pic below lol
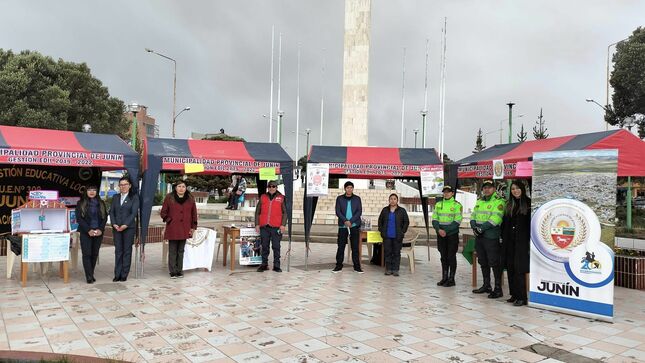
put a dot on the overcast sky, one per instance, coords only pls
(538, 54)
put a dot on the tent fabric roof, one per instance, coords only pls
(234, 156)
(630, 150)
(24, 145)
(379, 162)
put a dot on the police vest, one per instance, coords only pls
(271, 210)
(491, 210)
(447, 211)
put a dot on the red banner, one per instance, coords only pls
(377, 171)
(60, 158)
(485, 170)
(218, 166)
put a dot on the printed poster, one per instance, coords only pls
(250, 247)
(498, 169)
(432, 180)
(572, 229)
(317, 179)
(46, 247)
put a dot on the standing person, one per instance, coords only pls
(123, 214)
(446, 219)
(238, 187)
(270, 222)
(91, 214)
(179, 212)
(516, 235)
(348, 210)
(485, 221)
(393, 223)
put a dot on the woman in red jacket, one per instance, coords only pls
(179, 212)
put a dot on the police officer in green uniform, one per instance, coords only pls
(485, 221)
(446, 219)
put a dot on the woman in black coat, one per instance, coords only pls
(516, 235)
(91, 215)
(393, 222)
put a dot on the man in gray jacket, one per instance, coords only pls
(348, 210)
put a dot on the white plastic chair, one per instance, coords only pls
(409, 252)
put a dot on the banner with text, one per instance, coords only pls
(16, 181)
(218, 166)
(574, 207)
(432, 180)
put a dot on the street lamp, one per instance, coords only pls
(280, 115)
(174, 119)
(416, 131)
(174, 86)
(134, 108)
(86, 128)
(424, 113)
(308, 131)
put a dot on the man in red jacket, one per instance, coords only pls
(270, 221)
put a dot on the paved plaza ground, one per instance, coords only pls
(301, 316)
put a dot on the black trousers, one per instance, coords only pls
(90, 249)
(488, 256)
(516, 283)
(342, 241)
(448, 247)
(123, 251)
(273, 236)
(232, 200)
(176, 256)
(392, 248)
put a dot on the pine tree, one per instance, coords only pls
(521, 137)
(539, 131)
(479, 144)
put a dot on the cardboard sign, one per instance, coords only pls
(267, 174)
(374, 237)
(190, 168)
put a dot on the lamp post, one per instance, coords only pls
(280, 115)
(424, 113)
(307, 131)
(86, 128)
(134, 108)
(510, 121)
(174, 86)
(416, 131)
(174, 119)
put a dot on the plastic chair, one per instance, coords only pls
(409, 252)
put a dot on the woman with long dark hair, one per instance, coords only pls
(393, 223)
(516, 234)
(91, 215)
(179, 212)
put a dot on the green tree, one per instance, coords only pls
(539, 130)
(37, 91)
(627, 81)
(479, 142)
(521, 136)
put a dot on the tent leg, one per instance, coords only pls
(306, 256)
(289, 257)
(428, 243)
(629, 204)
(136, 261)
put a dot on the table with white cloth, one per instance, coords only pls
(200, 249)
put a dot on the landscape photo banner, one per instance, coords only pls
(572, 230)
(16, 181)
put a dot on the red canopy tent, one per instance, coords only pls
(631, 151)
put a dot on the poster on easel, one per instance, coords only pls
(317, 179)
(432, 180)
(572, 229)
(45, 247)
(250, 247)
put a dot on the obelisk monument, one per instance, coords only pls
(356, 58)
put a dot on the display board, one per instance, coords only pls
(317, 179)
(200, 249)
(432, 180)
(574, 203)
(46, 247)
(250, 247)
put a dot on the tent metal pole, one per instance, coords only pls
(629, 203)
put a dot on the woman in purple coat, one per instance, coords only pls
(179, 212)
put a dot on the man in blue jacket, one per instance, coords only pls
(348, 210)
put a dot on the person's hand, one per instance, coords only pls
(124, 227)
(442, 233)
(190, 233)
(282, 228)
(116, 226)
(257, 229)
(97, 232)
(348, 224)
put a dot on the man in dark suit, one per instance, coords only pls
(123, 213)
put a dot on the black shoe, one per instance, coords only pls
(483, 289)
(93, 279)
(388, 272)
(395, 273)
(89, 281)
(337, 269)
(442, 281)
(511, 300)
(449, 283)
(495, 294)
(115, 279)
(277, 269)
(229, 207)
(173, 276)
(179, 275)
(519, 303)
(360, 271)
(262, 268)
(123, 279)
